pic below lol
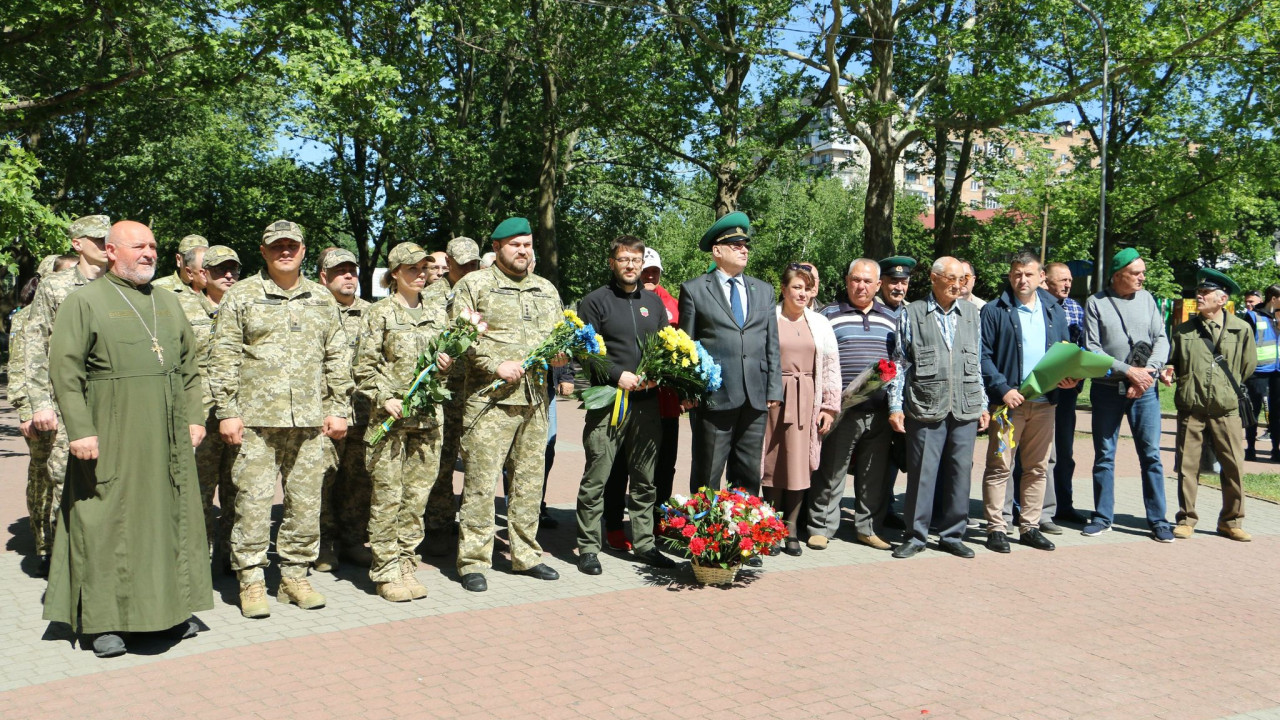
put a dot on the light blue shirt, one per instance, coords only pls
(1034, 337)
(723, 278)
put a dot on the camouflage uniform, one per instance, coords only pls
(441, 510)
(174, 282)
(39, 483)
(404, 463)
(279, 363)
(170, 282)
(50, 294)
(344, 504)
(214, 457)
(508, 422)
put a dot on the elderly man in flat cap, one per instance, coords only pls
(1123, 321)
(190, 261)
(732, 315)
(88, 239)
(1212, 356)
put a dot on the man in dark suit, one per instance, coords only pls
(733, 316)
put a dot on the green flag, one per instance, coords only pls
(1063, 360)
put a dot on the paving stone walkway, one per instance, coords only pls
(1111, 627)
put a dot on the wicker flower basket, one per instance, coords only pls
(714, 574)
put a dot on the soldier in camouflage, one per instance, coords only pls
(189, 275)
(281, 381)
(344, 498)
(220, 269)
(463, 258)
(397, 331)
(510, 422)
(88, 239)
(39, 444)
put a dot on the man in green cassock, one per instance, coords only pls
(130, 553)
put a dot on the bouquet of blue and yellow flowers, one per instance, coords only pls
(427, 389)
(670, 359)
(570, 337)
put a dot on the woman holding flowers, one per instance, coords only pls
(397, 330)
(811, 400)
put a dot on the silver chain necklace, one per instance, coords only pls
(155, 342)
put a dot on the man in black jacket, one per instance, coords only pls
(1017, 329)
(625, 315)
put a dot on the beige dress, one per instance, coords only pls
(787, 436)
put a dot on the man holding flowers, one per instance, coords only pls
(626, 316)
(509, 420)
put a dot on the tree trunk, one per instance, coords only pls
(949, 200)
(545, 231)
(877, 234)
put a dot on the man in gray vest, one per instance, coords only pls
(941, 406)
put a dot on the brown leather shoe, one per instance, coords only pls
(1235, 533)
(1182, 532)
(873, 541)
(817, 542)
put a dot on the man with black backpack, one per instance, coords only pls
(1212, 355)
(1124, 322)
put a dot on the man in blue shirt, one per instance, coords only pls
(1265, 382)
(1017, 329)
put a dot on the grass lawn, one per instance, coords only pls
(1260, 485)
(1166, 398)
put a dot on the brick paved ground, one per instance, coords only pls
(1112, 627)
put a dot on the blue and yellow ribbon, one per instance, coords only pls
(621, 407)
(1004, 429)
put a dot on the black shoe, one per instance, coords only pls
(542, 572)
(908, 549)
(1071, 517)
(773, 551)
(474, 582)
(956, 547)
(893, 521)
(183, 630)
(1251, 455)
(1048, 527)
(548, 522)
(1034, 538)
(108, 645)
(998, 542)
(755, 561)
(42, 567)
(793, 548)
(653, 557)
(589, 564)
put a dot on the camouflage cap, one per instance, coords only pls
(463, 250)
(282, 230)
(404, 254)
(90, 226)
(192, 241)
(218, 254)
(47, 265)
(336, 257)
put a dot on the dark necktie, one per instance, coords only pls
(735, 303)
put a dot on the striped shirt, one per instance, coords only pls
(863, 338)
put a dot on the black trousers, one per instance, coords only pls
(939, 460)
(727, 443)
(1259, 386)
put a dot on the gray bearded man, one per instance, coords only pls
(130, 553)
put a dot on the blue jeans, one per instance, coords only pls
(1109, 406)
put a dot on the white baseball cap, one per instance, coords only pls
(651, 259)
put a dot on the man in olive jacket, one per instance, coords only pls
(1208, 401)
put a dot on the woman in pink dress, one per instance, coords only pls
(811, 400)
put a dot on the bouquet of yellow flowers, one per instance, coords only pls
(570, 337)
(671, 359)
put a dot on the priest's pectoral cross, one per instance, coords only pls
(155, 348)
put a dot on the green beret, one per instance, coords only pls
(1122, 259)
(511, 227)
(218, 254)
(1210, 278)
(734, 227)
(192, 241)
(897, 266)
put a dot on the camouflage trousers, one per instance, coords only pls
(440, 507)
(298, 456)
(402, 466)
(40, 491)
(344, 498)
(492, 434)
(214, 460)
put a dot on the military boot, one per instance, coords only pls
(326, 560)
(408, 568)
(253, 600)
(394, 591)
(299, 592)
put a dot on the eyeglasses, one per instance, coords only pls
(800, 266)
(628, 261)
(953, 279)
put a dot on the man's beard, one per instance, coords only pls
(138, 274)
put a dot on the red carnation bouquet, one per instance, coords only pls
(720, 528)
(867, 382)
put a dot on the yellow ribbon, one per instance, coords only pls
(621, 407)
(1004, 429)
